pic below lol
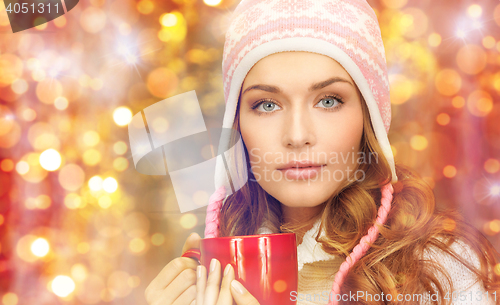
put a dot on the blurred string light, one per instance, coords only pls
(62, 285)
(50, 159)
(122, 116)
(40, 247)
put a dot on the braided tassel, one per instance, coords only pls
(213, 210)
(365, 242)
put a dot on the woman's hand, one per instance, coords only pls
(176, 282)
(207, 290)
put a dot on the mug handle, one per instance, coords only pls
(194, 254)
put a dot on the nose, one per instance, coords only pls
(298, 129)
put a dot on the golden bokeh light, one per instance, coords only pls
(443, 119)
(50, 159)
(93, 19)
(29, 115)
(83, 247)
(118, 283)
(168, 20)
(120, 164)
(11, 67)
(91, 157)
(448, 82)
(480, 103)
(23, 248)
(7, 165)
(495, 226)
(6, 120)
(110, 185)
(497, 269)
(62, 285)
(33, 172)
(489, 42)
(120, 148)
(61, 103)
(157, 239)
(212, 2)
(188, 221)
(279, 286)
(414, 22)
(492, 166)
(79, 272)
(10, 298)
(471, 59)
(43, 202)
(91, 138)
(105, 201)
(394, 4)
(145, 7)
(48, 90)
(475, 11)
(161, 82)
(40, 247)
(401, 89)
(95, 183)
(12, 137)
(71, 177)
(19, 86)
(419, 142)
(60, 21)
(449, 171)
(22, 167)
(458, 102)
(434, 39)
(122, 116)
(73, 201)
(137, 245)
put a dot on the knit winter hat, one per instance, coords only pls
(345, 30)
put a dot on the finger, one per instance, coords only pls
(201, 284)
(192, 242)
(187, 297)
(213, 283)
(167, 275)
(225, 296)
(185, 281)
(241, 295)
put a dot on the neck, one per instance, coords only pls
(300, 219)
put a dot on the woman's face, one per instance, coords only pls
(301, 106)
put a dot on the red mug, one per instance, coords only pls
(266, 264)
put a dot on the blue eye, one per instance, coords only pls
(329, 101)
(267, 107)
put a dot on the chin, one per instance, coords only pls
(300, 193)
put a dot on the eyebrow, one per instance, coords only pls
(313, 87)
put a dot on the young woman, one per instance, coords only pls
(306, 86)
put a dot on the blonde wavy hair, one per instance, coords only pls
(395, 262)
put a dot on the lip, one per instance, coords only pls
(298, 164)
(303, 169)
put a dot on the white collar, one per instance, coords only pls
(309, 251)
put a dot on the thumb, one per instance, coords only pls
(192, 242)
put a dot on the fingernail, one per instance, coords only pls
(212, 264)
(198, 271)
(226, 270)
(237, 286)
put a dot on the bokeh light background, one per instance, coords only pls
(79, 225)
